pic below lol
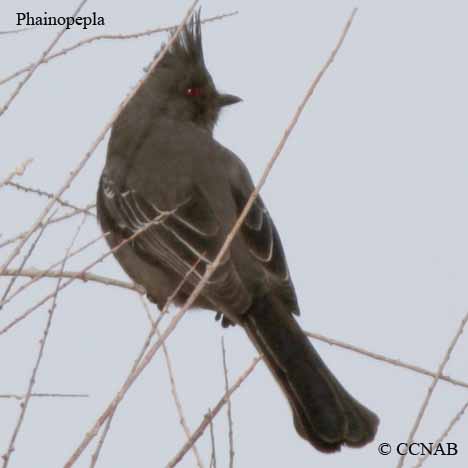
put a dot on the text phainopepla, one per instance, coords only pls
(166, 172)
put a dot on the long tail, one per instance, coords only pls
(324, 413)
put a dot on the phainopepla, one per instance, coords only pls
(166, 172)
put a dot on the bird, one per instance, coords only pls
(171, 188)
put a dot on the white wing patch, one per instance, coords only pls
(131, 216)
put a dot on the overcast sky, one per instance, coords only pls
(369, 196)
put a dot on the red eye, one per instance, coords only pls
(193, 92)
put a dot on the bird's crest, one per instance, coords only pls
(188, 45)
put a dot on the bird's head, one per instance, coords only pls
(181, 84)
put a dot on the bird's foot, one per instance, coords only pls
(225, 322)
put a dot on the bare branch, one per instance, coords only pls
(19, 171)
(17, 31)
(206, 420)
(175, 395)
(213, 442)
(15, 396)
(229, 410)
(89, 40)
(71, 280)
(451, 425)
(24, 405)
(58, 219)
(38, 274)
(34, 273)
(36, 65)
(381, 357)
(154, 329)
(48, 195)
(139, 365)
(97, 452)
(23, 263)
(431, 388)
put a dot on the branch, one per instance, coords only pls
(213, 442)
(71, 280)
(154, 329)
(48, 195)
(44, 395)
(207, 419)
(177, 401)
(24, 405)
(381, 357)
(36, 65)
(19, 171)
(34, 273)
(451, 425)
(58, 219)
(23, 263)
(42, 273)
(149, 32)
(143, 359)
(431, 388)
(17, 31)
(229, 410)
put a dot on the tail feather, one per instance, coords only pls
(324, 413)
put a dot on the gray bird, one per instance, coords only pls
(166, 175)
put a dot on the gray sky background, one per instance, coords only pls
(369, 197)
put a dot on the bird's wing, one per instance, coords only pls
(260, 234)
(179, 237)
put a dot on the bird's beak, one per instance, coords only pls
(228, 99)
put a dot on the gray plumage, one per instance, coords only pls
(165, 172)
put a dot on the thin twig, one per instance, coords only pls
(451, 425)
(114, 403)
(431, 388)
(58, 219)
(17, 31)
(36, 275)
(71, 280)
(97, 452)
(24, 405)
(139, 365)
(85, 277)
(43, 193)
(206, 420)
(23, 263)
(381, 357)
(15, 396)
(110, 411)
(112, 37)
(154, 328)
(36, 65)
(229, 410)
(213, 442)
(19, 171)
(175, 395)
